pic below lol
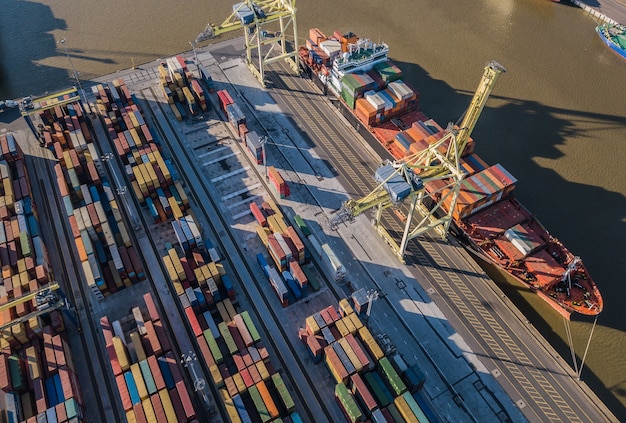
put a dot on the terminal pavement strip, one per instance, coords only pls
(546, 387)
(307, 395)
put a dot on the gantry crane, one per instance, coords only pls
(46, 298)
(440, 161)
(253, 17)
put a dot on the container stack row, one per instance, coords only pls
(278, 183)
(289, 279)
(233, 113)
(147, 373)
(153, 178)
(240, 367)
(38, 382)
(109, 260)
(368, 384)
(182, 90)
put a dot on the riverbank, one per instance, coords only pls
(612, 11)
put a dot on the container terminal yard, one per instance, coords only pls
(184, 213)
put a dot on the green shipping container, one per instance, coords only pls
(259, 404)
(215, 349)
(415, 408)
(17, 376)
(380, 391)
(349, 404)
(26, 252)
(228, 338)
(392, 376)
(147, 376)
(285, 396)
(254, 333)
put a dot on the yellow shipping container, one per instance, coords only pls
(350, 353)
(130, 416)
(133, 119)
(139, 382)
(136, 340)
(175, 111)
(32, 363)
(216, 376)
(134, 133)
(370, 343)
(312, 324)
(223, 313)
(181, 192)
(153, 176)
(263, 233)
(199, 276)
(354, 318)
(231, 410)
(120, 352)
(262, 368)
(344, 307)
(170, 414)
(239, 383)
(341, 327)
(137, 191)
(404, 409)
(176, 212)
(148, 410)
(229, 308)
(349, 325)
(169, 266)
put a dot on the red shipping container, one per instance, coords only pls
(159, 412)
(333, 313)
(140, 416)
(59, 354)
(193, 321)
(61, 412)
(254, 374)
(115, 364)
(205, 351)
(247, 359)
(123, 390)
(161, 334)
(258, 214)
(156, 372)
(40, 397)
(50, 365)
(64, 376)
(152, 310)
(173, 365)
(232, 328)
(185, 400)
(5, 380)
(150, 340)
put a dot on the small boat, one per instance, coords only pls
(614, 36)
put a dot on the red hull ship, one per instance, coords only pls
(486, 215)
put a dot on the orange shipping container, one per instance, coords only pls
(267, 399)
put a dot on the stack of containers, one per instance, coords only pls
(279, 185)
(97, 225)
(275, 280)
(187, 233)
(240, 367)
(388, 71)
(253, 142)
(353, 86)
(151, 176)
(37, 375)
(205, 76)
(395, 184)
(481, 190)
(147, 374)
(368, 383)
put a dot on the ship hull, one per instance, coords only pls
(601, 30)
(555, 291)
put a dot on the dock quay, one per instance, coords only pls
(203, 302)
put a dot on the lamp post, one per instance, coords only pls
(121, 191)
(62, 41)
(372, 295)
(263, 142)
(195, 56)
(187, 360)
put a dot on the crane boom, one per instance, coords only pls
(440, 161)
(252, 16)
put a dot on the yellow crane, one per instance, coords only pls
(47, 300)
(440, 161)
(259, 20)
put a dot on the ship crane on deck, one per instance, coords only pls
(254, 17)
(440, 161)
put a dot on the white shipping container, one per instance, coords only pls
(139, 320)
(215, 257)
(108, 235)
(84, 189)
(117, 260)
(102, 217)
(117, 330)
(211, 323)
(277, 282)
(283, 245)
(21, 223)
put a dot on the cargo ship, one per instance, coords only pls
(614, 36)
(487, 217)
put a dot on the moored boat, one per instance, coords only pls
(614, 36)
(486, 215)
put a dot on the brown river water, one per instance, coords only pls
(556, 119)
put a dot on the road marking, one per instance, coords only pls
(217, 150)
(241, 191)
(229, 174)
(221, 158)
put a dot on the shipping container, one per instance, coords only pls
(348, 405)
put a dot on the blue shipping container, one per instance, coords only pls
(293, 285)
(51, 392)
(167, 374)
(263, 263)
(132, 388)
